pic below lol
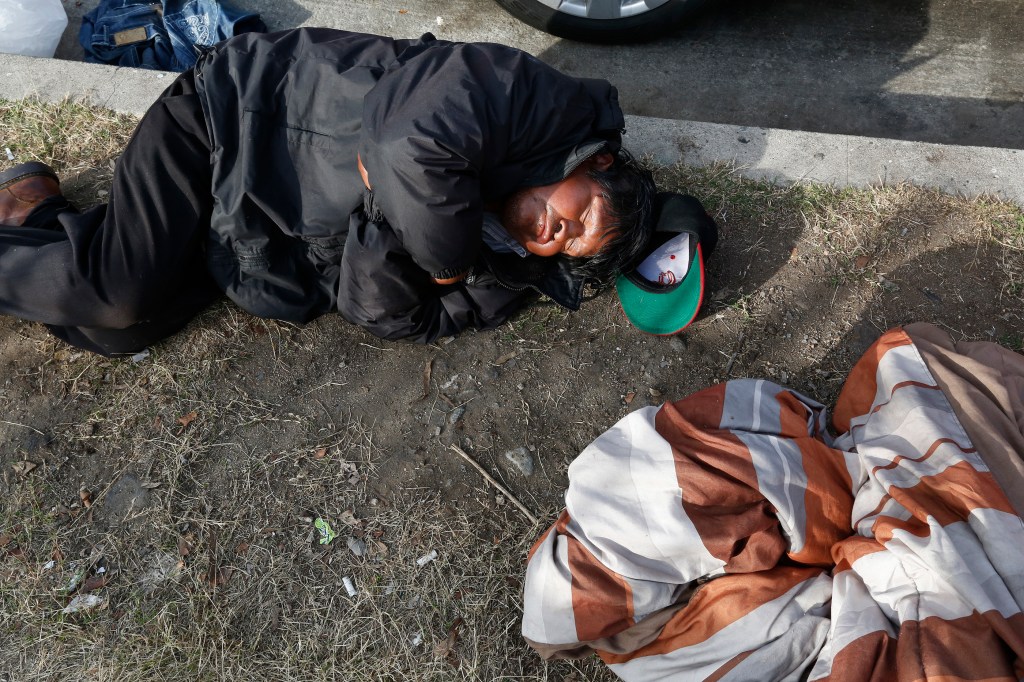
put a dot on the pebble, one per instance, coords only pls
(522, 459)
(456, 415)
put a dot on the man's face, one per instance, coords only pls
(568, 217)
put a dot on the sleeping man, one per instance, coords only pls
(418, 187)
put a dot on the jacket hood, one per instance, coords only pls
(606, 136)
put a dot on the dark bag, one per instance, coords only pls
(167, 34)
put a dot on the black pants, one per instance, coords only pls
(121, 276)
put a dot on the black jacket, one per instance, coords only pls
(441, 127)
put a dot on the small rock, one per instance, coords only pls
(456, 415)
(522, 459)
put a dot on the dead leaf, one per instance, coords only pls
(428, 369)
(242, 548)
(86, 497)
(95, 582)
(350, 472)
(157, 423)
(10, 548)
(629, 397)
(862, 262)
(506, 357)
(379, 548)
(187, 419)
(403, 11)
(320, 453)
(349, 518)
(221, 576)
(184, 547)
(22, 468)
(446, 648)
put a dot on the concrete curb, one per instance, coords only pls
(772, 154)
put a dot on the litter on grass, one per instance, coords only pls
(84, 602)
(327, 534)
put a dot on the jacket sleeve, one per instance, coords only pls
(385, 292)
(458, 122)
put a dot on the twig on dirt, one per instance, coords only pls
(24, 426)
(739, 345)
(428, 368)
(375, 347)
(490, 479)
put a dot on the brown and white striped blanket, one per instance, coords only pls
(730, 536)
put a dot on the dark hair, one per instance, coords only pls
(629, 189)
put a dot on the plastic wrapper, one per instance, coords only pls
(31, 27)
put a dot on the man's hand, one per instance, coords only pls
(362, 172)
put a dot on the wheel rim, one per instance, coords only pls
(603, 9)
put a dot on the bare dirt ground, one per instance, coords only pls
(181, 488)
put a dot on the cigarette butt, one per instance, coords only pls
(426, 558)
(349, 586)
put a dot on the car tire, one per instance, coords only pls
(639, 27)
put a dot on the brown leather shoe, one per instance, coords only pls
(24, 187)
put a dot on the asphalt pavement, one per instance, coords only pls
(851, 92)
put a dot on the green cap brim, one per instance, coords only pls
(664, 312)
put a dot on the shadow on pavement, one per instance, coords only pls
(858, 67)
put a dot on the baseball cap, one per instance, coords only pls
(663, 294)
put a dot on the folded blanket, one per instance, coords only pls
(729, 536)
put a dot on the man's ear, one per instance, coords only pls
(602, 161)
(552, 248)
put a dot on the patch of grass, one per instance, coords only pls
(726, 193)
(248, 429)
(1012, 341)
(71, 136)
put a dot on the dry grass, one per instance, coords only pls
(206, 462)
(218, 574)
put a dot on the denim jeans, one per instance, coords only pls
(160, 34)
